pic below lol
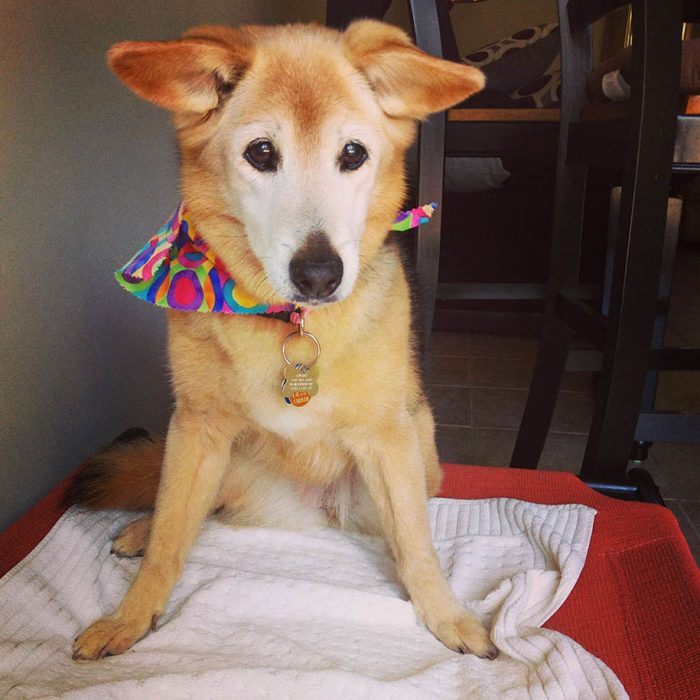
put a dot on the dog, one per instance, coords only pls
(292, 143)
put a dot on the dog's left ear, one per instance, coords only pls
(408, 82)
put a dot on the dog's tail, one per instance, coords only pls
(124, 474)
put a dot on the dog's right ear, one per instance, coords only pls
(192, 74)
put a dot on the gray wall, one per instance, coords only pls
(88, 172)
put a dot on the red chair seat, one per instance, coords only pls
(636, 605)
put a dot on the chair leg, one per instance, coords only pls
(619, 393)
(427, 19)
(544, 390)
(640, 448)
(431, 160)
(610, 248)
(564, 261)
(640, 241)
(625, 361)
(624, 382)
(668, 258)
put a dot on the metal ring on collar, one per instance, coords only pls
(305, 334)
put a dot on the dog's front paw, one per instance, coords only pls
(132, 540)
(109, 636)
(466, 635)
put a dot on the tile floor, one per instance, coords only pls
(478, 384)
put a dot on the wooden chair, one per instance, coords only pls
(644, 144)
(530, 134)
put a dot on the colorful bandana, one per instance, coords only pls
(413, 218)
(177, 270)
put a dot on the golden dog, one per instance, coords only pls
(292, 142)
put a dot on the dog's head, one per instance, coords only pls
(292, 142)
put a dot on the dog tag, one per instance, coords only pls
(300, 383)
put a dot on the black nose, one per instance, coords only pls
(316, 269)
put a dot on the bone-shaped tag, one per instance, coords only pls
(299, 384)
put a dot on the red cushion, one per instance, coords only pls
(26, 533)
(636, 605)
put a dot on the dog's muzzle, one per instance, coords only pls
(316, 270)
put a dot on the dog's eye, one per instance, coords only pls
(352, 156)
(261, 154)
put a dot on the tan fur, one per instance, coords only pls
(122, 475)
(361, 454)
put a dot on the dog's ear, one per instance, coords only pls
(407, 81)
(192, 74)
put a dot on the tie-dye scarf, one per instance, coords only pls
(177, 270)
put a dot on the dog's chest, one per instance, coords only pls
(255, 378)
(272, 413)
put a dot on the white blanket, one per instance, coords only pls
(273, 614)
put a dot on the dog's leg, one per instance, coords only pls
(389, 460)
(425, 431)
(132, 540)
(196, 454)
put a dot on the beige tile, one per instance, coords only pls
(454, 444)
(684, 312)
(692, 511)
(451, 404)
(563, 452)
(675, 468)
(503, 408)
(492, 447)
(578, 381)
(498, 408)
(572, 413)
(502, 346)
(455, 344)
(516, 373)
(673, 339)
(678, 392)
(481, 345)
(446, 369)
(500, 372)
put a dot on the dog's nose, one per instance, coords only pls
(316, 269)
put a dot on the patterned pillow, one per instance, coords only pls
(517, 59)
(544, 91)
